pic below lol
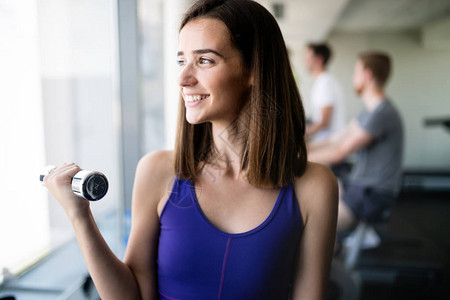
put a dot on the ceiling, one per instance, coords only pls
(314, 20)
(385, 15)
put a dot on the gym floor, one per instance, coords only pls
(413, 260)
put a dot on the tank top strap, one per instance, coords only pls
(181, 193)
(290, 202)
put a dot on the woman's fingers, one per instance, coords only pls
(59, 184)
(62, 175)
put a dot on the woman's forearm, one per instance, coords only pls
(112, 278)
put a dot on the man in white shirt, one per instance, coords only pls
(328, 113)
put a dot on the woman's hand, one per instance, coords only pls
(59, 183)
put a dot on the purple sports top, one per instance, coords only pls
(198, 261)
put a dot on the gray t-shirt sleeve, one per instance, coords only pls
(379, 165)
(374, 123)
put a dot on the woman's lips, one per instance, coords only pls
(194, 100)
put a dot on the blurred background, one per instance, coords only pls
(94, 82)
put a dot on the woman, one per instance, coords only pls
(235, 211)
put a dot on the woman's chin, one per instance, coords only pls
(194, 120)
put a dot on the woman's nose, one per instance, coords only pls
(186, 77)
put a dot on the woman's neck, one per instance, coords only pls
(228, 147)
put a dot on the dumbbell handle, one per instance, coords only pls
(90, 185)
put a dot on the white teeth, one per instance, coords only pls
(195, 98)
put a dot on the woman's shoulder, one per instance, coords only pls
(316, 189)
(315, 174)
(155, 171)
(159, 160)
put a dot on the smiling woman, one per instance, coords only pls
(255, 57)
(235, 211)
(215, 82)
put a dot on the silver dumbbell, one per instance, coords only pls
(90, 185)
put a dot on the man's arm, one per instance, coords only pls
(335, 137)
(327, 112)
(335, 150)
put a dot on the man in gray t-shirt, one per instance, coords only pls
(376, 136)
(379, 165)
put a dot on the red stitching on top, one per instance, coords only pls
(224, 266)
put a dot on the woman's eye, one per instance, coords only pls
(180, 62)
(205, 61)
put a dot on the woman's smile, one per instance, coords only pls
(194, 100)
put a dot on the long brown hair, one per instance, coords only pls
(273, 117)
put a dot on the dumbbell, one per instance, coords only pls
(90, 185)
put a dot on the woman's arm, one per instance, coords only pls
(153, 182)
(113, 278)
(317, 193)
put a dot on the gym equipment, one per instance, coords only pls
(90, 185)
(444, 121)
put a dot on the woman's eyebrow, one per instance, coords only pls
(202, 51)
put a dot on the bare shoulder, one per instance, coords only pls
(316, 190)
(160, 161)
(316, 176)
(154, 173)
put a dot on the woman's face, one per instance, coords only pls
(213, 80)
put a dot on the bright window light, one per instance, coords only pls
(24, 222)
